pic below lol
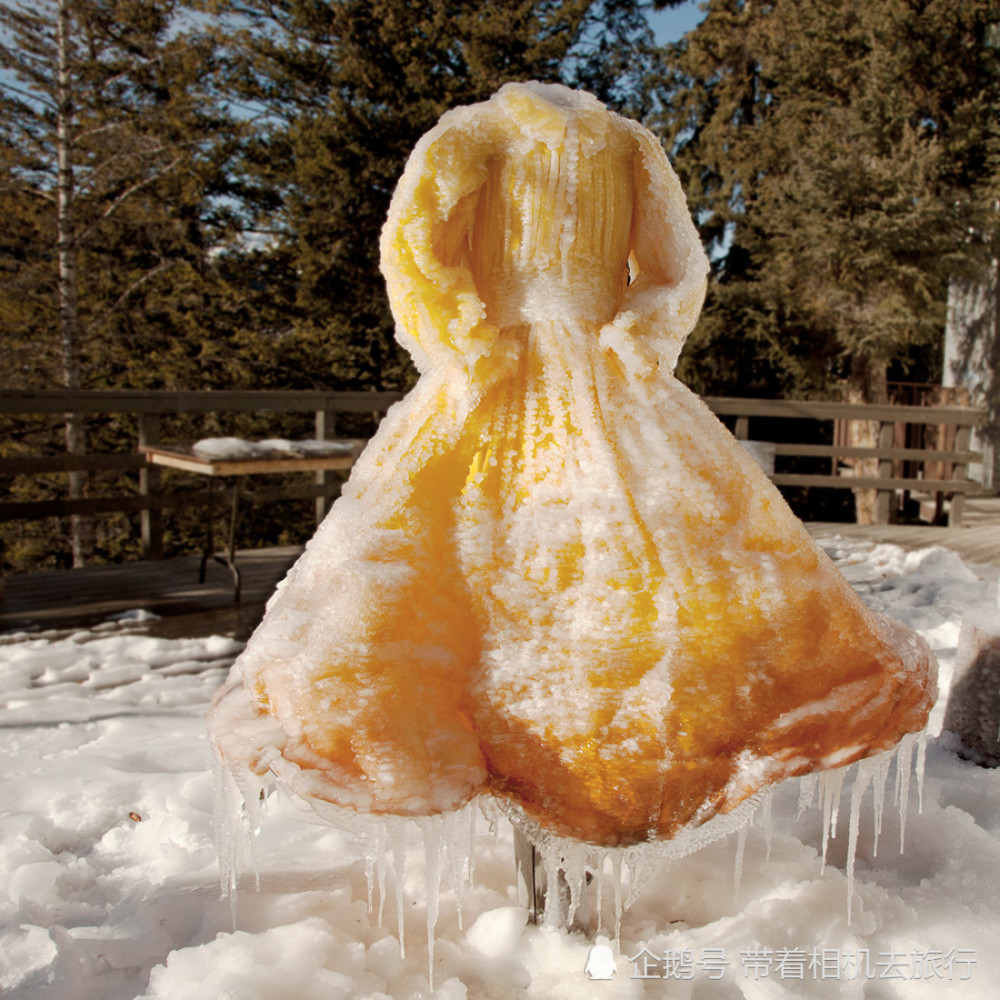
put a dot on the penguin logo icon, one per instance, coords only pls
(600, 962)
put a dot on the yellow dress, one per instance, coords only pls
(554, 577)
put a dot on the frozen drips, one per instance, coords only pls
(741, 846)
(586, 886)
(238, 807)
(872, 772)
(831, 784)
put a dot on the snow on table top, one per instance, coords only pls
(109, 878)
(232, 449)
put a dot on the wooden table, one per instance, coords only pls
(238, 470)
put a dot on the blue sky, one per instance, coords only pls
(670, 24)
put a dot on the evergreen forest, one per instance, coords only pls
(192, 190)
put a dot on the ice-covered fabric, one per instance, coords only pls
(554, 577)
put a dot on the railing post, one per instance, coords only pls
(325, 427)
(963, 442)
(151, 517)
(884, 498)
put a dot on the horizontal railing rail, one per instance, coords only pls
(939, 471)
(727, 406)
(209, 401)
(150, 406)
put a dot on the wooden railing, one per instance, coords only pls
(149, 408)
(940, 471)
(899, 468)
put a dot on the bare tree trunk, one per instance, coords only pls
(69, 315)
(869, 384)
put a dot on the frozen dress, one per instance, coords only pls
(554, 577)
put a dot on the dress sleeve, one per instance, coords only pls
(669, 268)
(440, 317)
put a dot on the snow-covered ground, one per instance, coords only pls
(109, 881)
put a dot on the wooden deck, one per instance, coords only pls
(169, 588)
(70, 599)
(977, 541)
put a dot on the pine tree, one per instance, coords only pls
(104, 168)
(342, 90)
(835, 151)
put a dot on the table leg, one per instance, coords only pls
(228, 556)
(231, 547)
(530, 876)
(209, 550)
(536, 896)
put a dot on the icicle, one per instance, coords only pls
(602, 859)
(227, 817)
(397, 834)
(830, 783)
(921, 766)
(253, 797)
(380, 841)
(432, 866)
(767, 824)
(616, 875)
(807, 791)
(836, 783)
(862, 779)
(237, 810)
(741, 843)
(471, 853)
(904, 757)
(459, 852)
(255, 809)
(223, 811)
(826, 825)
(574, 868)
(639, 862)
(373, 850)
(370, 879)
(551, 860)
(878, 797)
